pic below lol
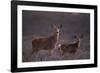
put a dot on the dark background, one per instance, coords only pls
(38, 24)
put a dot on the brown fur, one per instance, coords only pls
(71, 48)
(47, 43)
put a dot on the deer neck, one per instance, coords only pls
(78, 41)
(56, 36)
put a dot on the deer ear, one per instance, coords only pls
(81, 36)
(53, 25)
(60, 26)
(74, 36)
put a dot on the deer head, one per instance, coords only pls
(78, 38)
(56, 28)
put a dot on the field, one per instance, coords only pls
(38, 24)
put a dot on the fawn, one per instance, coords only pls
(71, 48)
(46, 43)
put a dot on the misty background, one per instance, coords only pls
(38, 24)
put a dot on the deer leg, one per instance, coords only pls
(73, 51)
(49, 53)
(34, 51)
(62, 53)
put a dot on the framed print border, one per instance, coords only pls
(14, 35)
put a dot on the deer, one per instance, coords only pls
(46, 43)
(72, 47)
